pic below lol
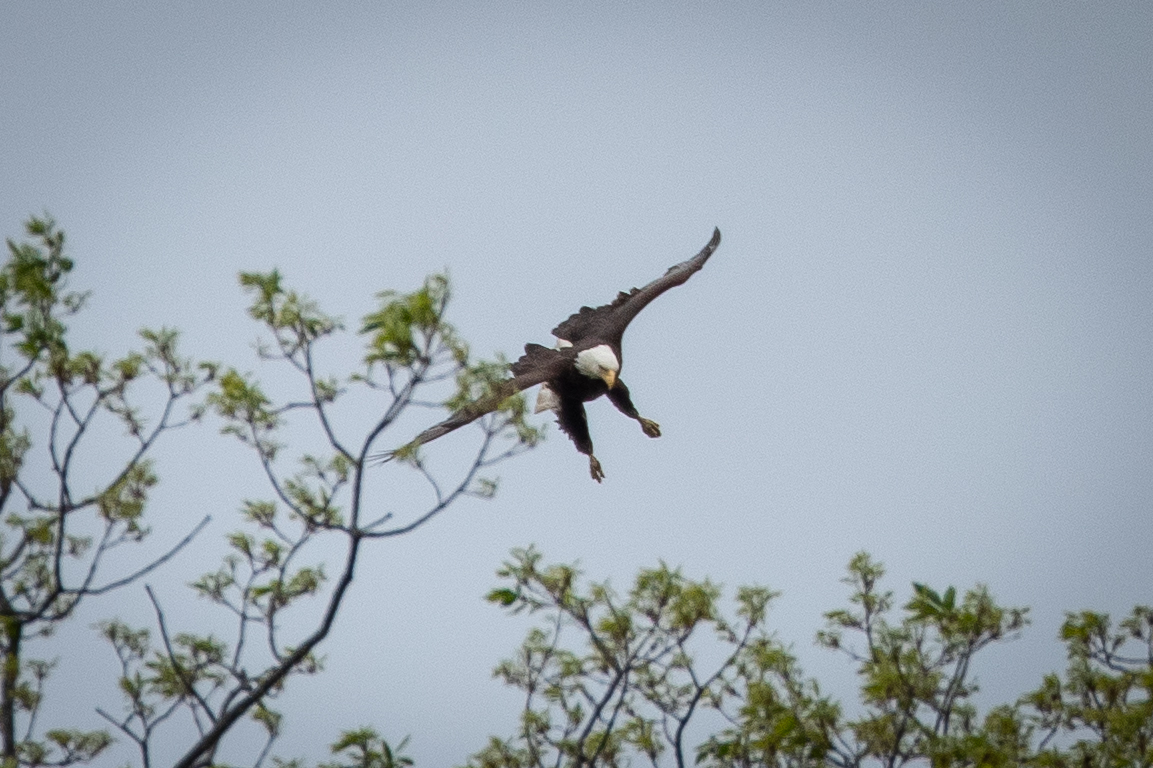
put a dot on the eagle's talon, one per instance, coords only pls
(651, 428)
(595, 469)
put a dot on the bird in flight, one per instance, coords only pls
(585, 364)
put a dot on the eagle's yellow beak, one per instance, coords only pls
(610, 378)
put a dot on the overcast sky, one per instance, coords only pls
(927, 333)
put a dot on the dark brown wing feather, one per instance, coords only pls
(608, 322)
(538, 364)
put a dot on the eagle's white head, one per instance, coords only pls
(599, 362)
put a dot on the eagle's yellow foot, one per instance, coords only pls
(651, 428)
(595, 469)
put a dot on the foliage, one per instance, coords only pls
(364, 748)
(267, 573)
(916, 680)
(613, 682)
(50, 561)
(59, 410)
(1106, 698)
(633, 686)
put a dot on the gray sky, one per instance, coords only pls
(927, 333)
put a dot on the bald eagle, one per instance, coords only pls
(585, 364)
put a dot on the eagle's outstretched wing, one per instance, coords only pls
(608, 322)
(538, 364)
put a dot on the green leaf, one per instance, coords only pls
(502, 596)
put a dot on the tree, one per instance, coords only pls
(917, 675)
(612, 681)
(1106, 698)
(633, 686)
(410, 347)
(46, 568)
(55, 536)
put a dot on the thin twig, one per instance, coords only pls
(154, 564)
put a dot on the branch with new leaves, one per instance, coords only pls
(60, 409)
(412, 354)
